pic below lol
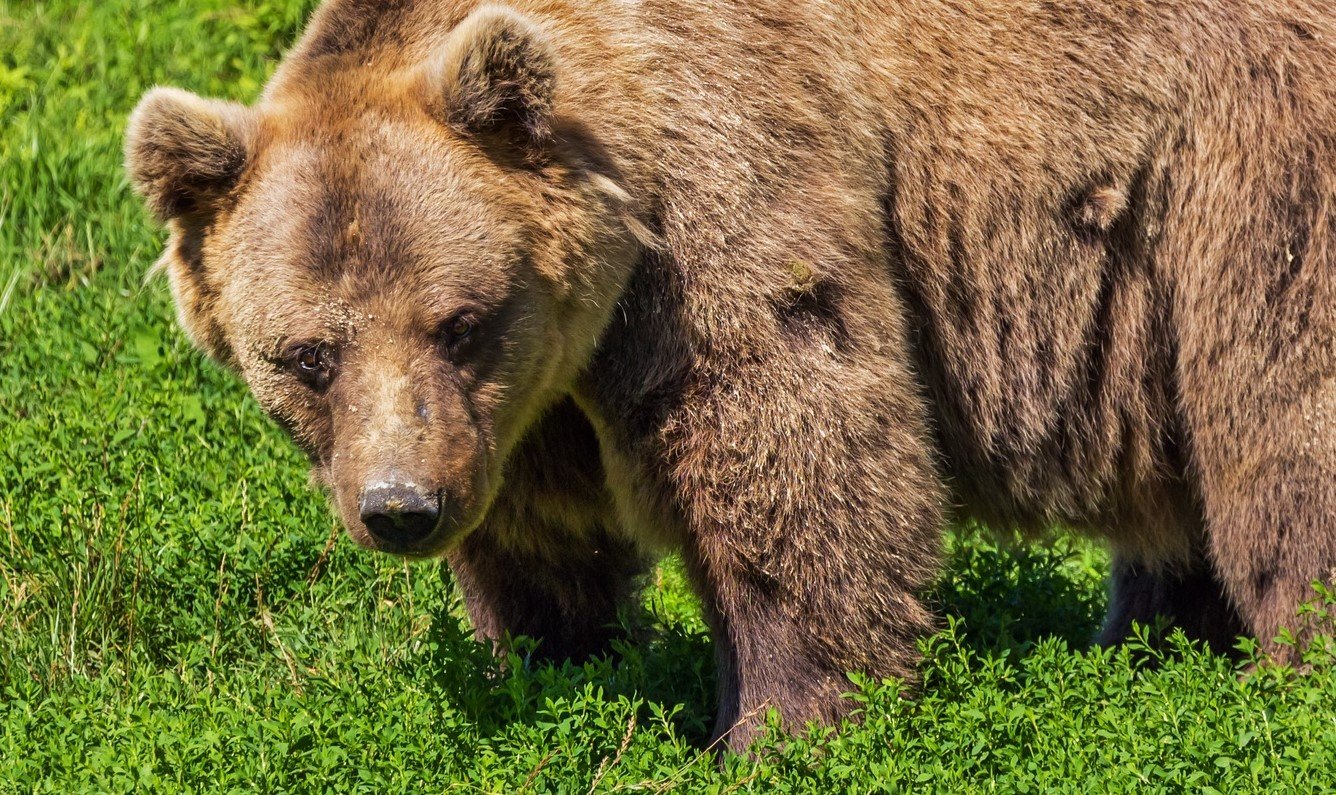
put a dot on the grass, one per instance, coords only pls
(178, 611)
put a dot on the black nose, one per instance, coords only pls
(399, 513)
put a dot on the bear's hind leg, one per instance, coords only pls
(1252, 244)
(1272, 535)
(1188, 596)
(1260, 431)
(1265, 459)
(1259, 400)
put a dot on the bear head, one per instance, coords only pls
(406, 261)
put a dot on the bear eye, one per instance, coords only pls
(313, 363)
(310, 359)
(457, 329)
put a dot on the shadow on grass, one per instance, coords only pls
(652, 661)
(1009, 597)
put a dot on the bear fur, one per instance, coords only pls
(787, 287)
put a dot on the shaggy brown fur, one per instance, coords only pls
(786, 287)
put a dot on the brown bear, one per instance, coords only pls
(550, 288)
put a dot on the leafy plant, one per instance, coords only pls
(179, 612)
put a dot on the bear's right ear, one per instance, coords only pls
(185, 153)
(495, 76)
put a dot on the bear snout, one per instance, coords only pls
(399, 513)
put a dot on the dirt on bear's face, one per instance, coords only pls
(402, 289)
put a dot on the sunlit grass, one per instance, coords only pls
(179, 612)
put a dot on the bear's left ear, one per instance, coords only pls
(496, 76)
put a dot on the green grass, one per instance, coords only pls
(179, 612)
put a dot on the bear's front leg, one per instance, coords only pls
(796, 472)
(544, 563)
(561, 589)
(810, 529)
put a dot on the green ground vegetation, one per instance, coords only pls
(179, 611)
